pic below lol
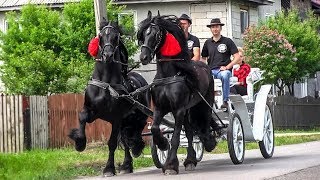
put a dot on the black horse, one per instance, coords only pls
(109, 81)
(181, 86)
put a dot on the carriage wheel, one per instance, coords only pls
(267, 144)
(198, 148)
(159, 157)
(235, 136)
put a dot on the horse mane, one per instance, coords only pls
(171, 24)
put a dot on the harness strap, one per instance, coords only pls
(168, 80)
(168, 60)
(112, 90)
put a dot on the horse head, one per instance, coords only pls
(150, 37)
(109, 40)
(161, 36)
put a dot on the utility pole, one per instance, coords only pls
(100, 11)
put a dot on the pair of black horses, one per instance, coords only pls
(181, 86)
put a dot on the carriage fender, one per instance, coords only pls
(259, 112)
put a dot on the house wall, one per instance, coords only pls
(269, 10)
(202, 15)
(236, 28)
(172, 8)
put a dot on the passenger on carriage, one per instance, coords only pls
(217, 51)
(241, 71)
(193, 41)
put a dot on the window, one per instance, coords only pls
(244, 20)
(6, 26)
(285, 4)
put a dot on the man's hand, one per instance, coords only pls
(223, 68)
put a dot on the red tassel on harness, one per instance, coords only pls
(171, 46)
(93, 46)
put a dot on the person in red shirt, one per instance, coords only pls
(241, 71)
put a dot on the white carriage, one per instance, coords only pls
(247, 119)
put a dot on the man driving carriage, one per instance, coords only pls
(217, 51)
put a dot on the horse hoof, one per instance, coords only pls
(170, 172)
(137, 149)
(125, 171)
(108, 174)
(190, 167)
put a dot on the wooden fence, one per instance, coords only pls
(291, 112)
(42, 122)
(11, 124)
(63, 116)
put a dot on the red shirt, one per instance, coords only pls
(242, 73)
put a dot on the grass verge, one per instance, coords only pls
(68, 163)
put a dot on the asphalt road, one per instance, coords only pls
(299, 161)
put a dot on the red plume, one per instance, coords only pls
(171, 46)
(93, 47)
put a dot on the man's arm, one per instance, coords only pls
(236, 59)
(196, 54)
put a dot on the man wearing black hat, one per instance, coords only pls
(193, 41)
(217, 52)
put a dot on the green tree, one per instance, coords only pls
(30, 51)
(303, 35)
(45, 51)
(270, 51)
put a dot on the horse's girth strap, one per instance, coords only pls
(168, 80)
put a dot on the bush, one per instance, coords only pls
(270, 51)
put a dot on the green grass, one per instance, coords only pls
(68, 163)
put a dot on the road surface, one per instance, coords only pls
(298, 161)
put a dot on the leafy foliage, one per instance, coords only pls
(304, 37)
(270, 51)
(45, 51)
(300, 41)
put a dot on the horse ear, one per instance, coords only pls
(149, 14)
(158, 13)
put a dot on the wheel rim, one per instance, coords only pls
(268, 131)
(162, 155)
(198, 147)
(237, 138)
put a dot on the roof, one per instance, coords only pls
(6, 5)
(260, 2)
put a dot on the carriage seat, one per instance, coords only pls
(254, 76)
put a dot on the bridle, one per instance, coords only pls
(115, 48)
(159, 37)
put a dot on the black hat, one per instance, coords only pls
(185, 17)
(215, 21)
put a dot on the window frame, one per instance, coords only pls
(244, 25)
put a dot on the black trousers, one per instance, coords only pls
(238, 89)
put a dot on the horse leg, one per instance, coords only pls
(79, 135)
(172, 165)
(126, 166)
(190, 162)
(109, 170)
(158, 138)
